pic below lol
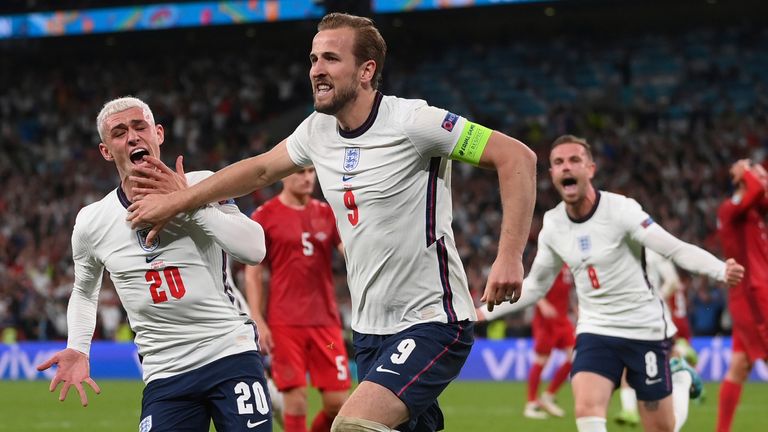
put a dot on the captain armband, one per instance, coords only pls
(472, 142)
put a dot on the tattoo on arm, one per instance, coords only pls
(651, 405)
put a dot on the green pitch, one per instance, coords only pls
(468, 406)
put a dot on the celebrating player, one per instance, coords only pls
(384, 166)
(199, 354)
(743, 235)
(302, 328)
(622, 321)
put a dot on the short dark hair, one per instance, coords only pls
(369, 45)
(572, 139)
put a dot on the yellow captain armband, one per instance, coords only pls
(472, 142)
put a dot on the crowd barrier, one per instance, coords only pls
(503, 360)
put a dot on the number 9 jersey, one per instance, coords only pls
(388, 183)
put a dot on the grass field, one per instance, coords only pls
(468, 406)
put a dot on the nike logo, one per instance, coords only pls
(346, 177)
(152, 257)
(253, 425)
(652, 382)
(382, 369)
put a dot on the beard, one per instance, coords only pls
(341, 97)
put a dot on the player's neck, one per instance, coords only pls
(292, 200)
(356, 112)
(581, 208)
(127, 187)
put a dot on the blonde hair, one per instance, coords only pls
(369, 44)
(118, 105)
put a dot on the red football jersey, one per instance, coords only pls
(300, 245)
(744, 236)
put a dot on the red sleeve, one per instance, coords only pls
(753, 196)
(336, 239)
(258, 215)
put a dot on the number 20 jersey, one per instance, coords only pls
(388, 183)
(173, 291)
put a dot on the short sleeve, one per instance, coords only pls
(258, 215)
(434, 132)
(336, 239)
(297, 144)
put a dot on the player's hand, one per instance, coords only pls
(73, 369)
(155, 210)
(738, 169)
(266, 343)
(154, 177)
(734, 272)
(480, 314)
(505, 282)
(546, 309)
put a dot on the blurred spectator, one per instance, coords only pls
(665, 117)
(707, 310)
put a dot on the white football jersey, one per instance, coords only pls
(173, 291)
(604, 253)
(388, 183)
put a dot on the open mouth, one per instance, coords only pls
(569, 184)
(138, 155)
(322, 88)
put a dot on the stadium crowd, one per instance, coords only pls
(666, 115)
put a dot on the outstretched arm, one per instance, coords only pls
(690, 257)
(233, 181)
(234, 232)
(73, 366)
(515, 164)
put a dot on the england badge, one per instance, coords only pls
(351, 158)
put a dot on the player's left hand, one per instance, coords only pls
(154, 210)
(505, 283)
(734, 272)
(155, 177)
(73, 369)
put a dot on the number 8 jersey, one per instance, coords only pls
(605, 253)
(174, 291)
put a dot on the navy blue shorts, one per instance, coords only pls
(231, 391)
(416, 364)
(647, 362)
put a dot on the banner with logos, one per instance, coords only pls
(503, 360)
(510, 360)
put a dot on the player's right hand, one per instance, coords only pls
(155, 177)
(505, 282)
(266, 343)
(73, 369)
(734, 272)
